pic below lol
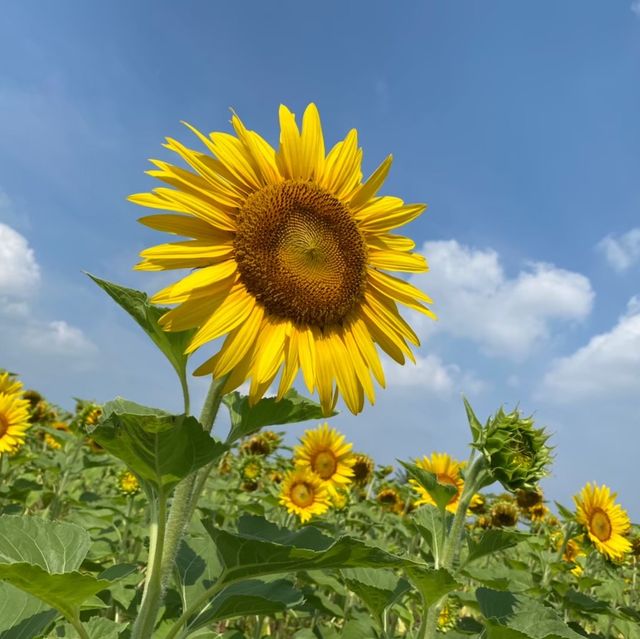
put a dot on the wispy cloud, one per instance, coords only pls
(506, 317)
(19, 271)
(622, 251)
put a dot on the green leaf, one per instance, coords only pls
(492, 541)
(262, 548)
(22, 616)
(440, 493)
(377, 588)
(97, 628)
(432, 584)
(136, 303)
(474, 422)
(64, 591)
(581, 602)
(55, 547)
(159, 447)
(432, 524)
(251, 597)
(522, 614)
(246, 419)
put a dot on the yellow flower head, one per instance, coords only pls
(504, 513)
(14, 421)
(251, 468)
(9, 385)
(290, 249)
(93, 416)
(304, 494)
(363, 467)
(537, 513)
(340, 499)
(478, 504)
(573, 550)
(128, 483)
(389, 498)
(324, 453)
(605, 521)
(52, 442)
(447, 471)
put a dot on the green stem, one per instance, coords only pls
(152, 596)
(79, 628)
(185, 393)
(53, 509)
(188, 490)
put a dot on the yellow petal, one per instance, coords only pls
(270, 350)
(312, 144)
(186, 251)
(288, 157)
(399, 290)
(262, 152)
(393, 261)
(235, 310)
(307, 356)
(372, 185)
(347, 381)
(342, 172)
(290, 362)
(387, 310)
(367, 349)
(390, 219)
(192, 285)
(187, 226)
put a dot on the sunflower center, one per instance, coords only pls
(302, 494)
(300, 253)
(4, 425)
(600, 525)
(325, 464)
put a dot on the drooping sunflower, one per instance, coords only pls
(304, 494)
(363, 467)
(324, 452)
(290, 249)
(447, 471)
(14, 421)
(605, 521)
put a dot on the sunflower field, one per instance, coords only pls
(125, 521)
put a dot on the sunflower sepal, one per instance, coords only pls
(475, 425)
(516, 453)
(440, 493)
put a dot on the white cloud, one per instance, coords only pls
(19, 271)
(506, 317)
(621, 252)
(58, 338)
(607, 367)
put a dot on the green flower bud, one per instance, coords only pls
(516, 453)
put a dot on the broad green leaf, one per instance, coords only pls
(492, 541)
(432, 524)
(251, 597)
(377, 588)
(55, 547)
(262, 548)
(474, 422)
(432, 584)
(522, 614)
(440, 493)
(161, 448)
(246, 419)
(359, 629)
(136, 303)
(580, 601)
(97, 628)
(22, 616)
(64, 591)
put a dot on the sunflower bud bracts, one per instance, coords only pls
(516, 452)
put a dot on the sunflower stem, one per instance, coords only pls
(189, 489)
(79, 628)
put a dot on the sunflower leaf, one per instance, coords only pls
(440, 493)
(432, 584)
(22, 615)
(492, 541)
(146, 314)
(159, 447)
(247, 419)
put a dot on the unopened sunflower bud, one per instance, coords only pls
(516, 453)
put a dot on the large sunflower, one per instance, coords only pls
(447, 471)
(289, 249)
(304, 494)
(14, 421)
(605, 521)
(9, 385)
(324, 452)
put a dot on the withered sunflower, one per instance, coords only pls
(289, 250)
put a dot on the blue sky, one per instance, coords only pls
(516, 122)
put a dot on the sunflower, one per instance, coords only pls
(363, 467)
(304, 494)
(14, 421)
(9, 385)
(324, 453)
(52, 442)
(605, 521)
(503, 514)
(289, 249)
(447, 471)
(389, 498)
(128, 483)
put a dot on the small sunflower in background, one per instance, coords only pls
(447, 471)
(538, 513)
(605, 522)
(251, 468)
(363, 467)
(128, 483)
(290, 249)
(389, 498)
(527, 499)
(93, 416)
(303, 493)
(340, 499)
(14, 422)
(478, 504)
(324, 452)
(504, 514)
